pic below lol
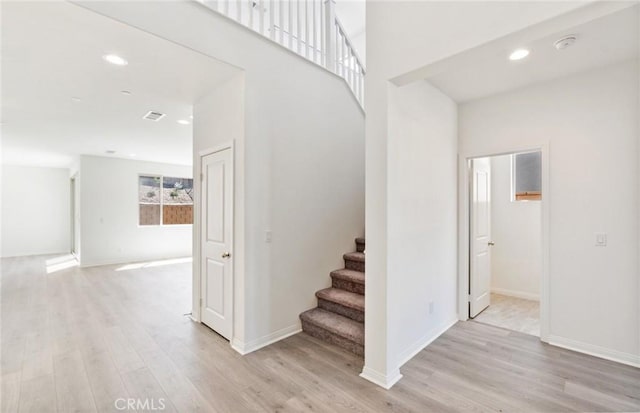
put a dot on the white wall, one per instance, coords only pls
(516, 229)
(35, 211)
(109, 214)
(404, 36)
(300, 162)
(590, 123)
(422, 224)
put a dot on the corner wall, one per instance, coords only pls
(590, 122)
(110, 233)
(35, 211)
(422, 217)
(396, 46)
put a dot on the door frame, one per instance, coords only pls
(464, 225)
(197, 235)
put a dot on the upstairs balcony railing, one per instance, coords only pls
(309, 28)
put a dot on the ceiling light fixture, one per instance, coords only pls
(518, 54)
(114, 59)
(76, 99)
(183, 122)
(110, 152)
(125, 92)
(133, 155)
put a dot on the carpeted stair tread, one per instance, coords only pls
(336, 324)
(342, 297)
(348, 275)
(354, 256)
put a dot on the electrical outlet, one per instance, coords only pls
(431, 307)
(601, 239)
(267, 237)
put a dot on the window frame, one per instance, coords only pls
(536, 196)
(161, 203)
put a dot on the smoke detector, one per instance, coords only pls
(154, 116)
(565, 42)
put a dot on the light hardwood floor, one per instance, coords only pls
(79, 339)
(512, 313)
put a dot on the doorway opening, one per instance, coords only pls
(505, 245)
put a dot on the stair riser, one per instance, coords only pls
(354, 265)
(322, 334)
(348, 286)
(342, 310)
(359, 247)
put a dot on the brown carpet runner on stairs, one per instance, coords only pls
(339, 317)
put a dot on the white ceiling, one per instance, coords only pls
(52, 52)
(604, 41)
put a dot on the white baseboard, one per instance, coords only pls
(517, 294)
(596, 351)
(424, 341)
(386, 381)
(253, 345)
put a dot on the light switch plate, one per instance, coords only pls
(601, 239)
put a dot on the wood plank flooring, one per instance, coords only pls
(77, 340)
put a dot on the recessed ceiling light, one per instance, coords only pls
(190, 116)
(110, 152)
(115, 59)
(133, 155)
(183, 122)
(125, 92)
(76, 99)
(519, 54)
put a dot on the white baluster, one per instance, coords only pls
(330, 35)
(261, 16)
(226, 7)
(290, 31)
(250, 4)
(306, 28)
(281, 21)
(298, 27)
(272, 29)
(315, 30)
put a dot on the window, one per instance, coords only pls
(526, 177)
(165, 200)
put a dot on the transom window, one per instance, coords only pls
(164, 200)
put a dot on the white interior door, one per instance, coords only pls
(216, 241)
(480, 236)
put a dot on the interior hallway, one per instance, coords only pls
(512, 313)
(82, 338)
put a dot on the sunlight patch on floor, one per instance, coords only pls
(158, 263)
(61, 263)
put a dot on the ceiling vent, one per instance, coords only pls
(154, 116)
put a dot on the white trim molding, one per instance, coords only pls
(596, 351)
(385, 381)
(424, 341)
(518, 294)
(253, 345)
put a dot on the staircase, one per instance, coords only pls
(339, 316)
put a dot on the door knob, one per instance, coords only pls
(226, 254)
(491, 243)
